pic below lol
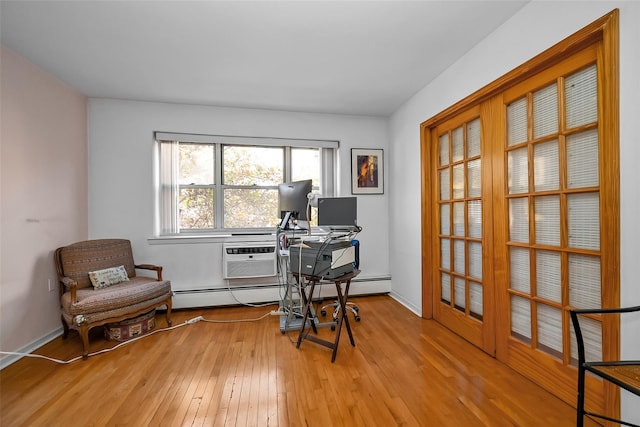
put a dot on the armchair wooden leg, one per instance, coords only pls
(84, 335)
(169, 303)
(65, 328)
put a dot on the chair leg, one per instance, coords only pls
(580, 403)
(84, 335)
(65, 328)
(169, 303)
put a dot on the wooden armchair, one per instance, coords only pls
(623, 373)
(86, 304)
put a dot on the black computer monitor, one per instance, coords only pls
(293, 201)
(337, 213)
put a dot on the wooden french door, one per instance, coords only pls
(461, 300)
(522, 212)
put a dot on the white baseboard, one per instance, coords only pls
(221, 297)
(417, 310)
(8, 359)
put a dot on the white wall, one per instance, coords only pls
(121, 194)
(44, 197)
(538, 26)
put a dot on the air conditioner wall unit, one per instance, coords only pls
(249, 259)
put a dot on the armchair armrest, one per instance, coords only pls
(71, 286)
(156, 268)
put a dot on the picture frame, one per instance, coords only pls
(367, 171)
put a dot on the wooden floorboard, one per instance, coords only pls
(404, 371)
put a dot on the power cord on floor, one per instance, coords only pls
(106, 350)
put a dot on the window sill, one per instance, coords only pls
(210, 238)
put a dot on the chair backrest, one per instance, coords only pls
(77, 260)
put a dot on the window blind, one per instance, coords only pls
(584, 220)
(547, 220)
(582, 159)
(545, 111)
(519, 269)
(517, 122)
(546, 168)
(548, 275)
(581, 91)
(519, 220)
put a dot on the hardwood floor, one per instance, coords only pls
(403, 371)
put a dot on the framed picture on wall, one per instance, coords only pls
(367, 171)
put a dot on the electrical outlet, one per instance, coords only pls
(51, 285)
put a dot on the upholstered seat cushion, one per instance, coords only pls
(136, 290)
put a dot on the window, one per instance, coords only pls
(214, 183)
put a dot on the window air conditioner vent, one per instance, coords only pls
(249, 259)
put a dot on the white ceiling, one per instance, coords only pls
(344, 57)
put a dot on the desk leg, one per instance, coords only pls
(342, 300)
(307, 301)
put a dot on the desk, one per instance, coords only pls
(308, 302)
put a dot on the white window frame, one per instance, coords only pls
(166, 176)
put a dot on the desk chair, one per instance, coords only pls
(352, 307)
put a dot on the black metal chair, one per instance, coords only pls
(624, 373)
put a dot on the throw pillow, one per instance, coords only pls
(107, 277)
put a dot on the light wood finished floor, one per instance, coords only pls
(403, 371)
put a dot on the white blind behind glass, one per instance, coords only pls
(473, 138)
(582, 159)
(545, 111)
(520, 316)
(584, 220)
(517, 122)
(519, 220)
(548, 275)
(547, 220)
(519, 269)
(581, 90)
(518, 173)
(584, 281)
(546, 169)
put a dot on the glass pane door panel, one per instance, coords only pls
(460, 299)
(445, 221)
(581, 90)
(546, 172)
(458, 181)
(520, 318)
(519, 220)
(458, 145)
(582, 159)
(547, 220)
(475, 260)
(474, 218)
(592, 336)
(443, 149)
(584, 281)
(584, 220)
(459, 257)
(517, 122)
(518, 164)
(475, 298)
(545, 111)
(549, 321)
(445, 186)
(519, 268)
(458, 218)
(445, 292)
(548, 275)
(473, 138)
(445, 254)
(474, 178)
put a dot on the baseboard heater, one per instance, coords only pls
(244, 260)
